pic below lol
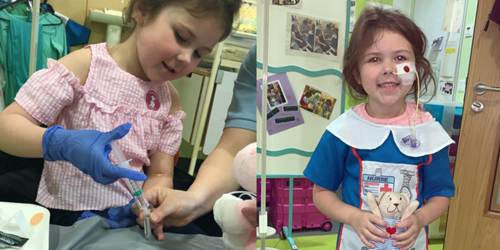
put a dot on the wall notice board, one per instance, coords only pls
(306, 46)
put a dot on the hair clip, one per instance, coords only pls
(411, 141)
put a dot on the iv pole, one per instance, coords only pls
(35, 12)
(263, 230)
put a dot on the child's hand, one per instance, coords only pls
(407, 239)
(88, 150)
(364, 225)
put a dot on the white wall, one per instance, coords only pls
(220, 104)
(306, 136)
(428, 15)
(403, 5)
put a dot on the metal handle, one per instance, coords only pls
(477, 107)
(480, 88)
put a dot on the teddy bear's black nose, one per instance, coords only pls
(396, 204)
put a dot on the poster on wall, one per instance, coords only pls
(453, 16)
(450, 57)
(282, 111)
(312, 37)
(445, 90)
(352, 19)
(361, 4)
(379, 4)
(290, 3)
(317, 102)
(247, 18)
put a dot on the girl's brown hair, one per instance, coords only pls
(224, 10)
(371, 22)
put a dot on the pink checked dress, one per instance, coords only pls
(109, 98)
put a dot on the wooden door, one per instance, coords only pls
(473, 222)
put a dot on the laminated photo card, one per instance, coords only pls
(312, 37)
(282, 111)
(317, 102)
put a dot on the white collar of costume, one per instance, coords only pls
(360, 133)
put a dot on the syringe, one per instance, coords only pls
(134, 188)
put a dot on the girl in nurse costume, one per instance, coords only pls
(386, 144)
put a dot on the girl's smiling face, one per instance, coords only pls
(386, 94)
(171, 45)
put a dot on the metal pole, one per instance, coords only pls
(35, 12)
(263, 133)
(206, 106)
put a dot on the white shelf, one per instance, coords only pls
(243, 34)
(108, 16)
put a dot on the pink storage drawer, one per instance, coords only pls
(268, 190)
(313, 218)
(282, 192)
(279, 217)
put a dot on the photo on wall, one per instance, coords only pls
(317, 102)
(287, 2)
(302, 33)
(352, 18)
(312, 37)
(282, 111)
(448, 88)
(326, 38)
(445, 90)
(275, 95)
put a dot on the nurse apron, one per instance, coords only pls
(396, 171)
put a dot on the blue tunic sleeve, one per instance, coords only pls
(326, 166)
(436, 178)
(243, 108)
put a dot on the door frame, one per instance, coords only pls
(471, 224)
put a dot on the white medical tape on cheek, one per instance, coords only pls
(406, 72)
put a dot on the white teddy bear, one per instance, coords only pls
(393, 207)
(237, 217)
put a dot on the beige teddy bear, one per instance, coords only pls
(393, 207)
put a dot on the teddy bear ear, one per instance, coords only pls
(380, 196)
(406, 198)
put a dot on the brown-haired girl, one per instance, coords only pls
(386, 144)
(123, 89)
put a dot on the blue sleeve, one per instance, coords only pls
(436, 178)
(326, 166)
(242, 112)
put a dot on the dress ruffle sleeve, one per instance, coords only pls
(48, 91)
(172, 133)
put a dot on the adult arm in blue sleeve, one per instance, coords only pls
(242, 112)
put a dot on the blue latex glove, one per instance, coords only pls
(89, 151)
(119, 217)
